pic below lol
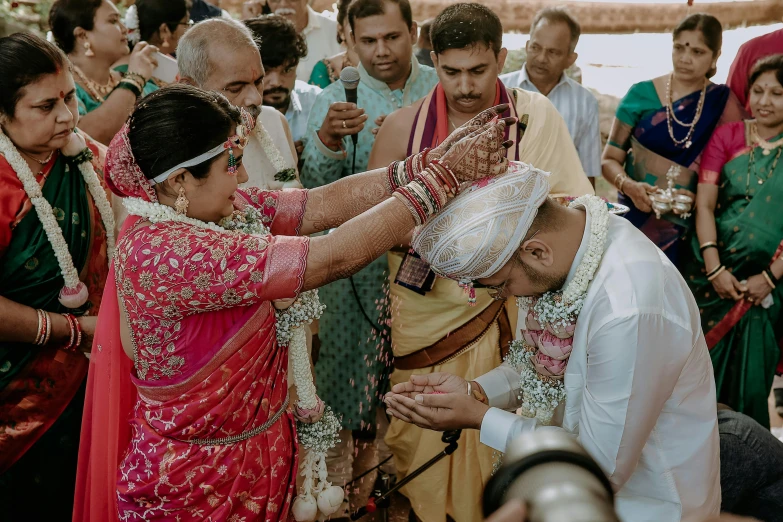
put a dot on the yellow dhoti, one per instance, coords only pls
(454, 486)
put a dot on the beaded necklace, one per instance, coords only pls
(752, 168)
(766, 146)
(671, 116)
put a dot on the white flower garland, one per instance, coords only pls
(132, 24)
(559, 308)
(46, 214)
(540, 395)
(283, 173)
(317, 493)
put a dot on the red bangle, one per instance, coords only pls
(71, 342)
(331, 145)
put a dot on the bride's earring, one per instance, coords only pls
(88, 50)
(165, 44)
(181, 205)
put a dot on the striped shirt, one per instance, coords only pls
(578, 107)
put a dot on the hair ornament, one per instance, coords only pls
(132, 23)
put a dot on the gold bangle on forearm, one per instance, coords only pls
(768, 279)
(715, 273)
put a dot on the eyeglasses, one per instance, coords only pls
(496, 292)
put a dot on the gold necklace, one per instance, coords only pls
(766, 146)
(41, 162)
(95, 89)
(671, 116)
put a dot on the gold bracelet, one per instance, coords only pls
(716, 274)
(769, 280)
(48, 329)
(708, 244)
(39, 333)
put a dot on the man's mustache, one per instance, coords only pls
(254, 110)
(470, 96)
(285, 11)
(276, 90)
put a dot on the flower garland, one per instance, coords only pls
(317, 493)
(318, 437)
(283, 173)
(541, 356)
(74, 294)
(132, 24)
(559, 308)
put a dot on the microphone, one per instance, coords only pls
(349, 76)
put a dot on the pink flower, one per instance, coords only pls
(561, 331)
(549, 367)
(531, 336)
(553, 346)
(531, 323)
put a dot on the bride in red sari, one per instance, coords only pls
(188, 313)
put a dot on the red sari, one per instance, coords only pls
(208, 374)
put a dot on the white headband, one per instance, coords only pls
(201, 158)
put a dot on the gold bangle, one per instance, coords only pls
(39, 333)
(708, 244)
(769, 280)
(716, 274)
(48, 329)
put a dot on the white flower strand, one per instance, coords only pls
(277, 160)
(249, 223)
(46, 214)
(559, 308)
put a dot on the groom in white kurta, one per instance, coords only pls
(640, 393)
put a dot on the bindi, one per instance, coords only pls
(62, 95)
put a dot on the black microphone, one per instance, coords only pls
(350, 78)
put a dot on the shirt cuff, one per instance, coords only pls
(337, 155)
(496, 427)
(497, 387)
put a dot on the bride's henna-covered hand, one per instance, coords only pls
(480, 154)
(466, 129)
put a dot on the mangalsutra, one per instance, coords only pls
(95, 89)
(671, 116)
(752, 169)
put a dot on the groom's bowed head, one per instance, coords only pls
(504, 234)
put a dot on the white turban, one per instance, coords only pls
(477, 232)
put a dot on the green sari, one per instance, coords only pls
(744, 340)
(41, 388)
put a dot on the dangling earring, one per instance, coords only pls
(181, 205)
(88, 52)
(165, 44)
(232, 162)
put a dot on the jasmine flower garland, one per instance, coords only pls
(283, 173)
(74, 293)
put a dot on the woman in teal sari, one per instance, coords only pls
(328, 70)
(55, 233)
(736, 276)
(663, 125)
(94, 38)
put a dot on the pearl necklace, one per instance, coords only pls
(766, 146)
(74, 294)
(671, 116)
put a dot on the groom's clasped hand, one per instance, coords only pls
(437, 401)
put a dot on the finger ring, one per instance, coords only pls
(344, 125)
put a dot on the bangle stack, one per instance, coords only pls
(429, 192)
(44, 328)
(400, 173)
(76, 333)
(83, 157)
(770, 277)
(131, 86)
(619, 181)
(707, 245)
(715, 272)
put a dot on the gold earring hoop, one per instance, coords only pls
(181, 205)
(88, 50)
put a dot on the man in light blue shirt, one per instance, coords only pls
(550, 51)
(354, 353)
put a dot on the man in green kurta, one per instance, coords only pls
(354, 356)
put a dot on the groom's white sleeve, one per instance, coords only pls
(633, 363)
(499, 427)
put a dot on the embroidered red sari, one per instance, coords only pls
(207, 371)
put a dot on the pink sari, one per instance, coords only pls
(209, 437)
